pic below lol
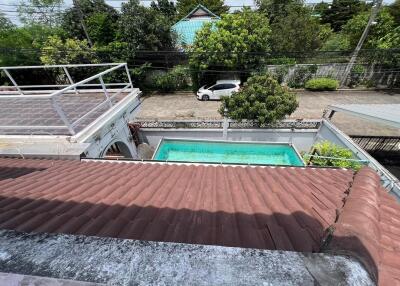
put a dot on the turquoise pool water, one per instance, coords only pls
(227, 152)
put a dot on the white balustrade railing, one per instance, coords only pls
(32, 92)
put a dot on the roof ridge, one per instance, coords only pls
(356, 230)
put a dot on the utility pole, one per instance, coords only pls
(375, 9)
(76, 4)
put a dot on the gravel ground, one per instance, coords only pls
(312, 104)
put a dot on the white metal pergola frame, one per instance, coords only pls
(72, 87)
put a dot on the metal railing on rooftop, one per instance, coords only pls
(30, 92)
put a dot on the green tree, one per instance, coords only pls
(165, 7)
(101, 20)
(42, 12)
(341, 11)
(394, 10)
(276, 9)
(184, 7)
(5, 23)
(19, 44)
(71, 51)
(102, 28)
(298, 31)
(144, 28)
(262, 99)
(320, 9)
(391, 40)
(337, 42)
(356, 25)
(234, 43)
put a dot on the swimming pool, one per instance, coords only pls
(257, 153)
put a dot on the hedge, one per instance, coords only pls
(322, 83)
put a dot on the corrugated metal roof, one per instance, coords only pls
(388, 114)
(285, 208)
(186, 29)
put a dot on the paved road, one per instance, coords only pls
(312, 104)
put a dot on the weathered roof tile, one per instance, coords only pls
(258, 207)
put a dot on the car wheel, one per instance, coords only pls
(205, 97)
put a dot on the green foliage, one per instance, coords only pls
(5, 23)
(321, 84)
(391, 40)
(114, 52)
(282, 61)
(144, 28)
(184, 7)
(97, 16)
(328, 149)
(262, 99)
(71, 51)
(40, 12)
(138, 76)
(337, 42)
(301, 75)
(176, 79)
(16, 39)
(232, 44)
(355, 27)
(341, 11)
(394, 10)
(165, 7)
(356, 76)
(280, 73)
(298, 32)
(278, 9)
(101, 27)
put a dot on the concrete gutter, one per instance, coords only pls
(133, 262)
(28, 280)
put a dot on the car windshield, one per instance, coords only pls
(208, 86)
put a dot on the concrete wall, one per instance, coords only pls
(118, 132)
(378, 75)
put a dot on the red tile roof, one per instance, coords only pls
(271, 208)
(369, 227)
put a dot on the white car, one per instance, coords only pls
(216, 91)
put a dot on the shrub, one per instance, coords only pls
(328, 149)
(262, 99)
(165, 83)
(176, 79)
(301, 75)
(281, 72)
(322, 83)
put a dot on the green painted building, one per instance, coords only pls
(187, 27)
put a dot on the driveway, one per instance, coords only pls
(311, 105)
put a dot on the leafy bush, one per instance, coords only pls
(301, 75)
(55, 51)
(262, 99)
(328, 149)
(176, 79)
(165, 83)
(281, 72)
(322, 83)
